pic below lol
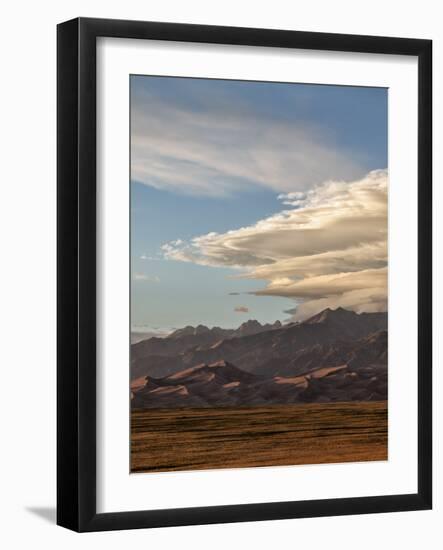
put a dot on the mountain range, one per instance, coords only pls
(336, 355)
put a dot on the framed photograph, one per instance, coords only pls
(244, 223)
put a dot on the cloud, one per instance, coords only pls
(148, 278)
(146, 257)
(328, 248)
(241, 309)
(360, 291)
(229, 148)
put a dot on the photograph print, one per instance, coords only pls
(259, 265)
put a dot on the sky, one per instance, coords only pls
(255, 200)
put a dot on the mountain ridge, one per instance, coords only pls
(259, 354)
(251, 351)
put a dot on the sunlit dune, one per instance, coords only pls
(168, 390)
(232, 384)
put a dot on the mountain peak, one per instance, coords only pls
(250, 323)
(328, 314)
(189, 330)
(200, 329)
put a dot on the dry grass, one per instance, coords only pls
(200, 439)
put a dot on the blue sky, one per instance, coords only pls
(214, 165)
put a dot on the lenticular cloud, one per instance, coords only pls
(326, 248)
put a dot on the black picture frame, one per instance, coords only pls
(76, 265)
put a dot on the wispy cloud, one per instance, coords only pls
(328, 248)
(226, 149)
(144, 277)
(241, 309)
(147, 257)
